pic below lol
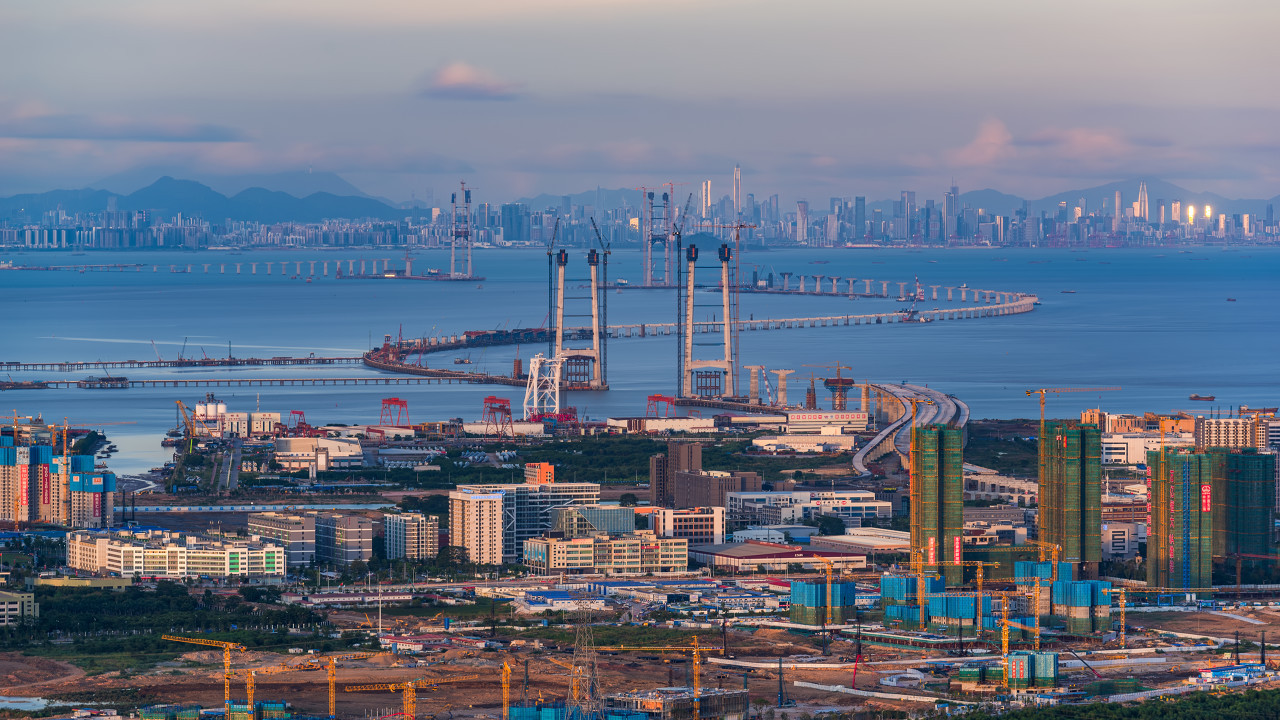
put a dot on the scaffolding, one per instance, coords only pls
(1071, 493)
(937, 498)
(1243, 499)
(1180, 535)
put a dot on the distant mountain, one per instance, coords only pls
(992, 201)
(297, 183)
(1096, 197)
(606, 198)
(168, 196)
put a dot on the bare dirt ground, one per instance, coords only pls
(1208, 624)
(196, 677)
(20, 674)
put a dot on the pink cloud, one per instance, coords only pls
(461, 81)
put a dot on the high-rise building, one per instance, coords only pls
(1244, 499)
(1180, 529)
(37, 484)
(1144, 210)
(475, 524)
(1117, 214)
(737, 193)
(1071, 493)
(802, 222)
(704, 199)
(525, 511)
(711, 487)
(515, 223)
(937, 498)
(680, 457)
(414, 536)
(859, 216)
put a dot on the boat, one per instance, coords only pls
(170, 442)
(462, 361)
(1205, 398)
(1068, 292)
(1231, 299)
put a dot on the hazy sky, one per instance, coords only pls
(813, 98)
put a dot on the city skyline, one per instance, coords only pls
(406, 97)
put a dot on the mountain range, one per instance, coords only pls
(312, 197)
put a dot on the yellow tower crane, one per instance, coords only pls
(227, 647)
(1123, 599)
(410, 690)
(251, 681)
(506, 691)
(1049, 550)
(979, 565)
(695, 650)
(331, 668)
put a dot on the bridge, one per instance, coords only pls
(428, 377)
(896, 436)
(79, 366)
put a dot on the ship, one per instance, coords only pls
(1205, 398)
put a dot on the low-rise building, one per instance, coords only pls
(1131, 448)
(864, 540)
(18, 607)
(537, 601)
(786, 534)
(755, 556)
(639, 553)
(320, 453)
(700, 526)
(166, 554)
(794, 506)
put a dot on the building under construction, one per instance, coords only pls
(1180, 531)
(1244, 493)
(1071, 494)
(937, 498)
(679, 703)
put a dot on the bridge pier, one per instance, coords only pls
(269, 267)
(817, 283)
(868, 286)
(935, 291)
(963, 290)
(950, 290)
(786, 281)
(835, 285)
(312, 272)
(801, 284)
(253, 268)
(851, 282)
(884, 288)
(206, 268)
(902, 289)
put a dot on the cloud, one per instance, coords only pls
(39, 123)
(993, 144)
(626, 156)
(460, 81)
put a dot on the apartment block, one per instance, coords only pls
(295, 532)
(634, 554)
(700, 526)
(475, 524)
(342, 539)
(412, 536)
(526, 509)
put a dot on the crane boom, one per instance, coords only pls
(227, 647)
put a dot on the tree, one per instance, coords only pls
(830, 525)
(628, 500)
(642, 522)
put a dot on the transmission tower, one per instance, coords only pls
(586, 703)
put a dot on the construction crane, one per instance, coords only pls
(573, 676)
(1121, 595)
(827, 567)
(227, 647)
(1042, 392)
(695, 650)
(17, 497)
(64, 467)
(331, 666)
(191, 424)
(251, 682)
(974, 564)
(506, 691)
(410, 689)
(1050, 550)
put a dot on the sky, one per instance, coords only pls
(813, 98)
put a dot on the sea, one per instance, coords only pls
(1161, 324)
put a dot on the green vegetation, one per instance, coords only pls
(87, 444)
(1004, 446)
(103, 630)
(1252, 705)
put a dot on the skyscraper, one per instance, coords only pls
(737, 193)
(802, 222)
(705, 199)
(937, 498)
(1143, 208)
(1244, 498)
(1071, 493)
(949, 209)
(859, 217)
(680, 457)
(1180, 528)
(1117, 214)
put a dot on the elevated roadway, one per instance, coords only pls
(896, 436)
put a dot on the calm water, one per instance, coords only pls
(1156, 323)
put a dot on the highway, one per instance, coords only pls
(941, 408)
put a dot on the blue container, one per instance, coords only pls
(82, 463)
(41, 454)
(6, 441)
(8, 456)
